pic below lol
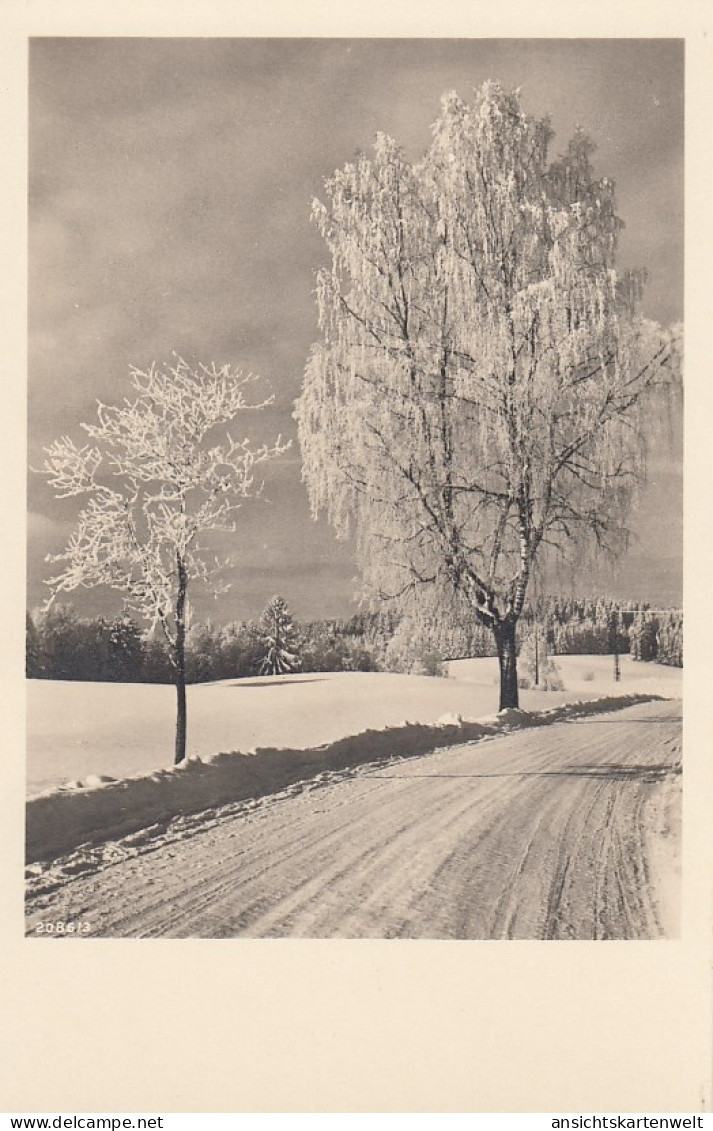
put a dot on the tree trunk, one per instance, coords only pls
(181, 712)
(180, 717)
(507, 658)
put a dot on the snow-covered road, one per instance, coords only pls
(570, 831)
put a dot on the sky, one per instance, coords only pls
(170, 184)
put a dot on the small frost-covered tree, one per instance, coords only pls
(278, 637)
(412, 649)
(537, 668)
(160, 470)
(478, 389)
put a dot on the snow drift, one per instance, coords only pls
(98, 809)
(75, 729)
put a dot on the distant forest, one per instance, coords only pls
(63, 645)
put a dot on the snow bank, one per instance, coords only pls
(98, 810)
(123, 730)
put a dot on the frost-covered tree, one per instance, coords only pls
(202, 652)
(477, 391)
(160, 470)
(644, 636)
(33, 649)
(278, 636)
(537, 668)
(411, 649)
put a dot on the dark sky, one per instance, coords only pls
(170, 188)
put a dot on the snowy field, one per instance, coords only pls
(100, 761)
(77, 731)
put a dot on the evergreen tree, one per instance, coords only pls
(279, 638)
(126, 651)
(240, 651)
(670, 639)
(61, 646)
(644, 636)
(33, 651)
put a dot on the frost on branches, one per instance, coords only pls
(478, 390)
(537, 668)
(277, 635)
(159, 471)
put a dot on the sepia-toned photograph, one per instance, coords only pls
(355, 465)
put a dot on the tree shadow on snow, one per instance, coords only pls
(273, 682)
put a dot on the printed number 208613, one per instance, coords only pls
(59, 927)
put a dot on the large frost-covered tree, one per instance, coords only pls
(477, 390)
(160, 470)
(279, 639)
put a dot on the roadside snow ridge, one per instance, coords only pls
(101, 809)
